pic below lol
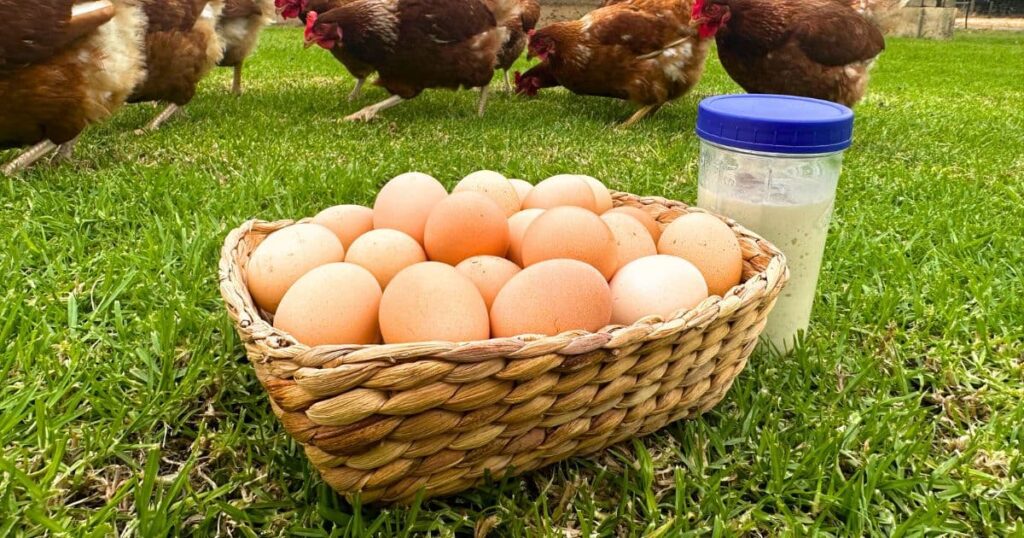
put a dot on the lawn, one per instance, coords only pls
(128, 405)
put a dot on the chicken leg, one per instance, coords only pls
(481, 105)
(66, 150)
(28, 157)
(236, 84)
(508, 83)
(357, 91)
(371, 111)
(159, 120)
(639, 115)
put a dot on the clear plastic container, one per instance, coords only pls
(785, 195)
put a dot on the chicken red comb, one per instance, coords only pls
(289, 9)
(311, 18)
(698, 10)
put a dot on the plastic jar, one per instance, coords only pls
(772, 163)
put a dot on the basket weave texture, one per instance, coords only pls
(390, 420)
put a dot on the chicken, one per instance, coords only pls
(64, 66)
(518, 28)
(643, 51)
(417, 44)
(300, 8)
(810, 48)
(239, 29)
(182, 46)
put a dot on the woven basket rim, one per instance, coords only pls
(248, 317)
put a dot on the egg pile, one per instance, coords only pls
(495, 258)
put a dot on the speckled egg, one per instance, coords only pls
(489, 273)
(284, 256)
(643, 217)
(632, 240)
(494, 186)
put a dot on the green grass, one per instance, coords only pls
(127, 404)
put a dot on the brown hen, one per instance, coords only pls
(518, 28)
(64, 66)
(415, 45)
(182, 46)
(239, 30)
(300, 8)
(643, 51)
(810, 48)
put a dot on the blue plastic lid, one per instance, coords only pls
(775, 123)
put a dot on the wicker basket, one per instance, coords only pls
(390, 420)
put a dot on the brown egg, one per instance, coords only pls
(602, 197)
(573, 233)
(432, 301)
(286, 255)
(644, 217)
(517, 225)
(523, 189)
(561, 190)
(494, 186)
(631, 238)
(464, 225)
(405, 203)
(335, 303)
(346, 221)
(489, 273)
(552, 297)
(708, 243)
(384, 253)
(660, 285)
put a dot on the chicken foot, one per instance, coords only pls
(66, 150)
(236, 83)
(371, 111)
(481, 104)
(639, 115)
(357, 91)
(159, 120)
(28, 157)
